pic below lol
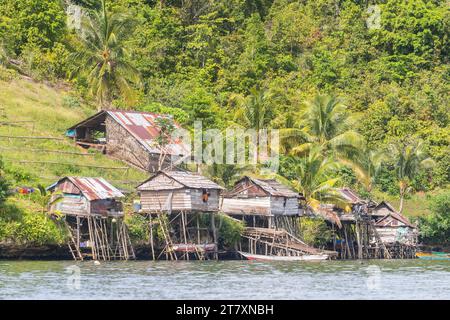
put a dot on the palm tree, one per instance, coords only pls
(324, 121)
(254, 111)
(104, 56)
(408, 159)
(366, 165)
(313, 177)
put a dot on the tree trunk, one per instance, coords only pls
(402, 196)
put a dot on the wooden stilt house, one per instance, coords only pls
(187, 200)
(270, 211)
(261, 203)
(129, 136)
(394, 227)
(93, 214)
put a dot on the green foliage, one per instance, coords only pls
(138, 227)
(4, 184)
(229, 230)
(32, 22)
(198, 58)
(179, 115)
(28, 228)
(313, 175)
(435, 227)
(314, 231)
(103, 58)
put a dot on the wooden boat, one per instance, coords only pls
(433, 255)
(194, 247)
(306, 257)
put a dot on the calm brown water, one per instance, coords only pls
(400, 279)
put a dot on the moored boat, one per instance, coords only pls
(433, 255)
(306, 257)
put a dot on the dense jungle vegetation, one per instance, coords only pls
(358, 89)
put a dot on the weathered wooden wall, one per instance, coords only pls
(72, 205)
(211, 205)
(179, 200)
(284, 206)
(397, 234)
(154, 201)
(250, 206)
(122, 145)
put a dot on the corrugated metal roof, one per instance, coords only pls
(94, 188)
(275, 188)
(393, 213)
(350, 195)
(188, 179)
(143, 127)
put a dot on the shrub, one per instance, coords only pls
(137, 227)
(314, 231)
(435, 227)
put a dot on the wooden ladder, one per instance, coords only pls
(73, 247)
(379, 241)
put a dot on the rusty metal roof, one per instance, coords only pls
(143, 127)
(394, 214)
(274, 188)
(186, 178)
(350, 195)
(93, 188)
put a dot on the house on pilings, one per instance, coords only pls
(271, 213)
(184, 205)
(364, 229)
(264, 203)
(129, 136)
(392, 226)
(93, 214)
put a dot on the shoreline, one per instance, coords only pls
(143, 253)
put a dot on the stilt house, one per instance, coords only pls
(130, 136)
(188, 199)
(259, 201)
(392, 226)
(174, 191)
(94, 218)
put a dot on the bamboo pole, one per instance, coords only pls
(31, 137)
(73, 164)
(151, 236)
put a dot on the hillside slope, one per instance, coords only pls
(29, 109)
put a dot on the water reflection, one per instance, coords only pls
(376, 279)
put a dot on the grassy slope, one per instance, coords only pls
(25, 100)
(21, 100)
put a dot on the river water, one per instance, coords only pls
(377, 279)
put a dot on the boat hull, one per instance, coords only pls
(260, 257)
(433, 255)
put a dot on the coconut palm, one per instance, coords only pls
(408, 159)
(366, 165)
(323, 121)
(254, 111)
(313, 175)
(104, 56)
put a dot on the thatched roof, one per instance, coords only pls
(180, 179)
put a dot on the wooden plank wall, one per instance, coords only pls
(280, 206)
(212, 205)
(239, 206)
(159, 200)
